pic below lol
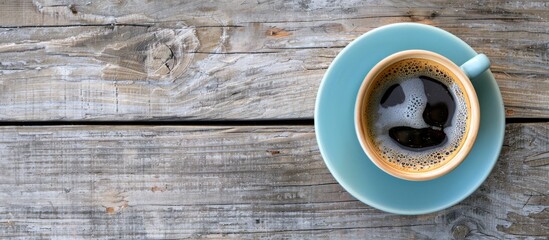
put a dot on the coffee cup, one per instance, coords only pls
(417, 114)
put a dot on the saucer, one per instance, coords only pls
(338, 143)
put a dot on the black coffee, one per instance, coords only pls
(438, 112)
(416, 114)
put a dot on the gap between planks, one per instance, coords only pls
(257, 122)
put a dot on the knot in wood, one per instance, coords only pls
(169, 52)
(460, 231)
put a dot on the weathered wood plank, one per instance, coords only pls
(236, 182)
(125, 60)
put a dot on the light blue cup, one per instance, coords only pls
(461, 76)
(341, 150)
(475, 66)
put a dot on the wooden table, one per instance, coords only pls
(162, 119)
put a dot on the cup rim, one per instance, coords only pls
(474, 116)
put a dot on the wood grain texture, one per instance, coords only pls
(175, 60)
(110, 182)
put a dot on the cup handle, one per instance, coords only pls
(475, 66)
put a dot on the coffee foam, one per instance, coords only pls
(409, 113)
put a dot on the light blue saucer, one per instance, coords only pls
(340, 147)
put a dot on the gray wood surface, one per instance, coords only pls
(236, 182)
(167, 60)
(70, 62)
